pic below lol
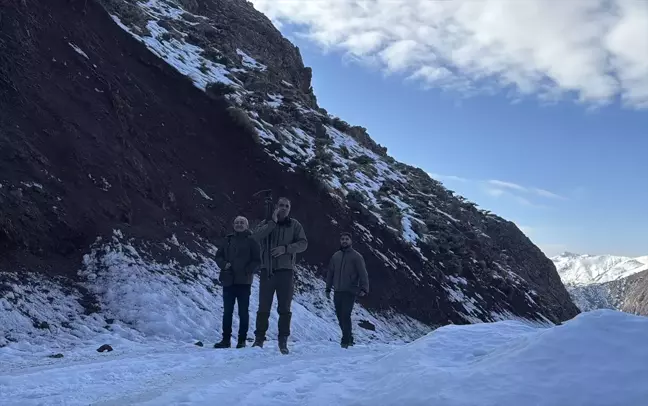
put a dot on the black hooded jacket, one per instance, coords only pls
(243, 253)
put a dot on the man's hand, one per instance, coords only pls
(277, 251)
(275, 215)
(228, 266)
(362, 293)
(328, 293)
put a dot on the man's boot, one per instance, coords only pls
(283, 345)
(241, 343)
(224, 343)
(258, 342)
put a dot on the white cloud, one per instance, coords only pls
(514, 186)
(596, 50)
(498, 188)
(495, 192)
(507, 185)
(450, 177)
(546, 193)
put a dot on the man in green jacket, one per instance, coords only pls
(281, 239)
(238, 258)
(346, 274)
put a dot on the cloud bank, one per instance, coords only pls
(592, 50)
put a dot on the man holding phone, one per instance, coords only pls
(286, 239)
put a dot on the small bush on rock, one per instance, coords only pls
(356, 196)
(218, 90)
(392, 215)
(363, 160)
(242, 119)
(344, 152)
(340, 125)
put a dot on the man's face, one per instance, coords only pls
(284, 208)
(240, 224)
(345, 241)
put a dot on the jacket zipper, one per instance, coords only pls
(342, 268)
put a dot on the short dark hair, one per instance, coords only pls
(285, 199)
(348, 234)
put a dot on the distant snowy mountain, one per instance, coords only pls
(582, 270)
(605, 281)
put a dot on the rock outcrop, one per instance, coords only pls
(628, 294)
(158, 121)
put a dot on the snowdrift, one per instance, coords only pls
(597, 359)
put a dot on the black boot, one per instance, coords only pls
(224, 343)
(283, 345)
(258, 342)
(241, 343)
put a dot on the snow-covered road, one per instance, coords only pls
(187, 374)
(597, 359)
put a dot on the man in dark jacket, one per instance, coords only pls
(281, 239)
(346, 274)
(238, 258)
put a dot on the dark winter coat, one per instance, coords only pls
(347, 272)
(288, 233)
(242, 251)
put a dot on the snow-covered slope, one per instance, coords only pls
(142, 297)
(604, 281)
(581, 270)
(596, 359)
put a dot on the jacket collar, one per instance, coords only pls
(286, 221)
(245, 233)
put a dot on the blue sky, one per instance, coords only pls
(565, 158)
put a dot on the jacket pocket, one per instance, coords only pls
(226, 278)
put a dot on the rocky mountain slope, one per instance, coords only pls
(605, 281)
(131, 132)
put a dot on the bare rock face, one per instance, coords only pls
(633, 293)
(629, 294)
(367, 325)
(166, 117)
(105, 348)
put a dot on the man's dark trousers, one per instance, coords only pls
(241, 295)
(344, 302)
(281, 282)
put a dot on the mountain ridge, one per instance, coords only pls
(585, 269)
(605, 281)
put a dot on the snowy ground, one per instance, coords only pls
(597, 359)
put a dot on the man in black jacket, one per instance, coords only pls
(238, 258)
(347, 274)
